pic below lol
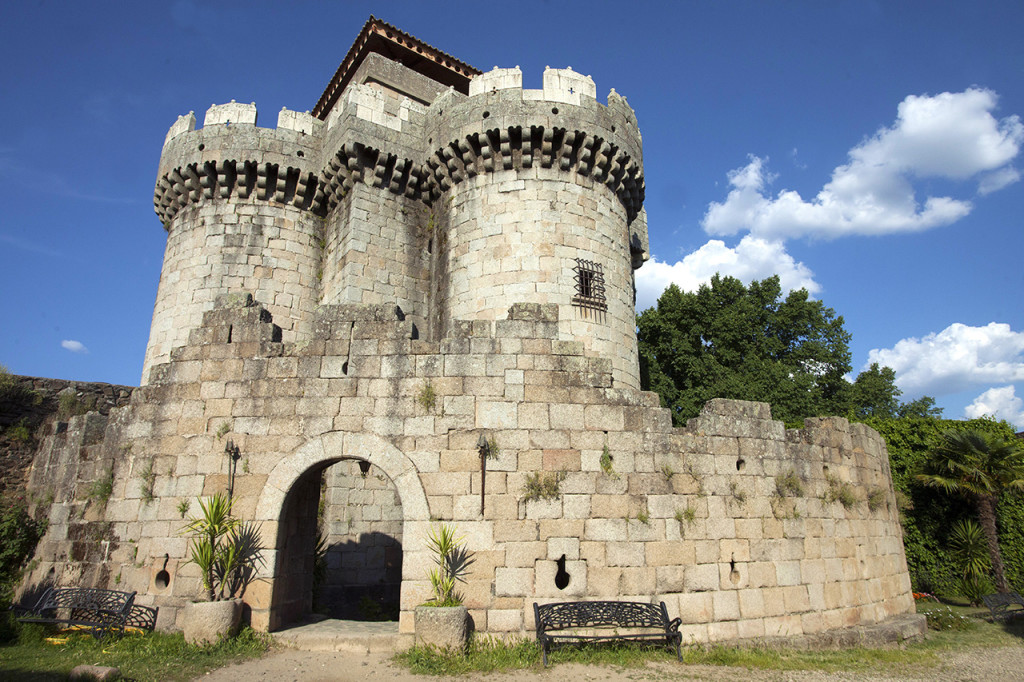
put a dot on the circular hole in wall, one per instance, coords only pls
(344, 367)
(613, 129)
(300, 154)
(202, 147)
(741, 464)
(554, 110)
(824, 470)
(162, 580)
(486, 114)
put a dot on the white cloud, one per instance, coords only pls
(950, 135)
(955, 359)
(1001, 403)
(996, 180)
(74, 346)
(753, 258)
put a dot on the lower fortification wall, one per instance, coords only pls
(744, 529)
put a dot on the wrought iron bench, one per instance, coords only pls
(99, 611)
(999, 605)
(590, 621)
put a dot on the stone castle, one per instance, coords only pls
(416, 304)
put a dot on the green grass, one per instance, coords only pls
(485, 654)
(154, 656)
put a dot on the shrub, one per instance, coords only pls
(969, 548)
(20, 432)
(13, 390)
(19, 533)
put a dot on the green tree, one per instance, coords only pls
(874, 393)
(982, 466)
(730, 341)
(923, 407)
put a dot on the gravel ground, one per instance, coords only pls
(285, 665)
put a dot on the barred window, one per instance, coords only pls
(589, 277)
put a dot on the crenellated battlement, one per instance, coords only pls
(235, 113)
(499, 126)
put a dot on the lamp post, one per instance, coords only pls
(484, 448)
(234, 454)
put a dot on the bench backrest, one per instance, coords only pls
(1001, 600)
(584, 614)
(87, 599)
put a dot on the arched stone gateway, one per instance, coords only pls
(287, 508)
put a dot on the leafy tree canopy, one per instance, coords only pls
(748, 343)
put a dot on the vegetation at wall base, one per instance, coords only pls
(43, 654)
(928, 515)
(488, 654)
(19, 533)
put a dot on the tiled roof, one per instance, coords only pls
(383, 38)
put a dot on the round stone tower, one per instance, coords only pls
(536, 197)
(238, 204)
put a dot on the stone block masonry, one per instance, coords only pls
(732, 521)
(357, 299)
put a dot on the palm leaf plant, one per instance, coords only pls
(980, 466)
(227, 551)
(452, 560)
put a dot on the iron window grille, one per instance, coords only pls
(589, 278)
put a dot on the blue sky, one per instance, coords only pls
(867, 150)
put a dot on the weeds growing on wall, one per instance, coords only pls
(19, 433)
(840, 491)
(543, 486)
(876, 498)
(686, 516)
(14, 391)
(103, 487)
(606, 461)
(148, 476)
(427, 397)
(789, 485)
(70, 405)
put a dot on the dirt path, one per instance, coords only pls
(287, 665)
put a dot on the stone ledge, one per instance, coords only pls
(892, 632)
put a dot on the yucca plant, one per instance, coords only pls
(453, 560)
(969, 547)
(226, 550)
